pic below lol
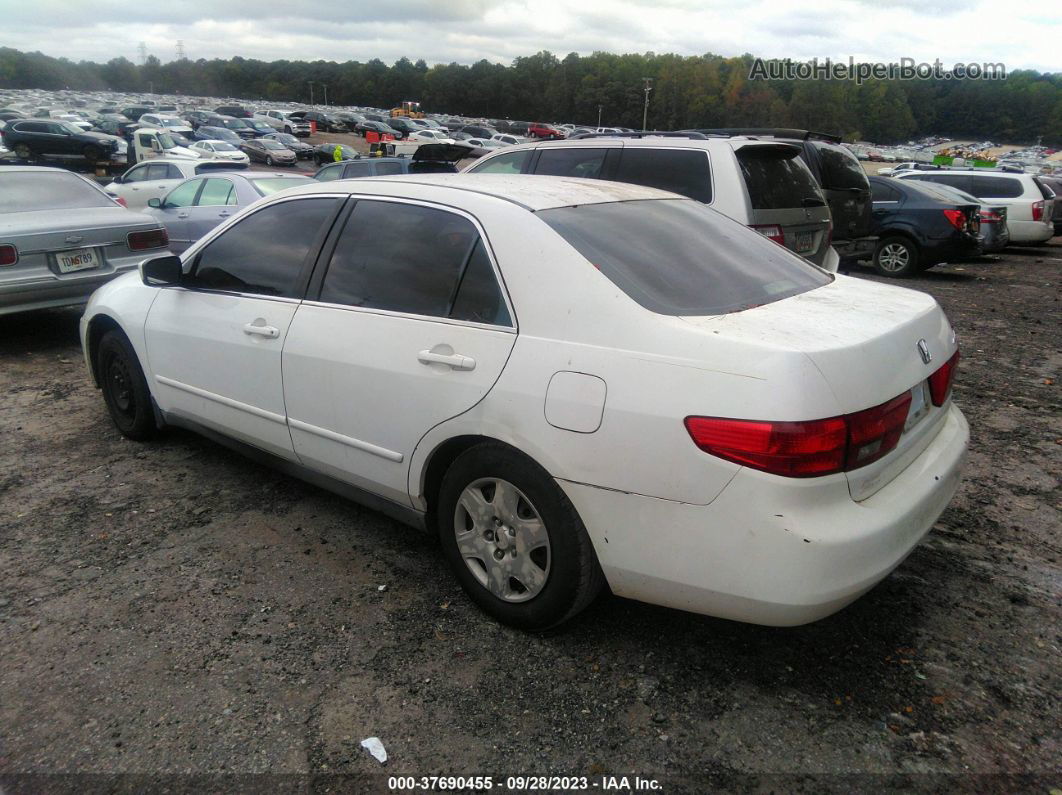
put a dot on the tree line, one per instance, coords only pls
(687, 92)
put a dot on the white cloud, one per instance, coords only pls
(501, 30)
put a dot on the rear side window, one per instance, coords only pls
(880, 192)
(677, 257)
(840, 168)
(328, 174)
(775, 178)
(508, 163)
(383, 169)
(264, 253)
(960, 181)
(996, 187)
(159, 171)
(685, 172)
(571, 162)
(419, 260)
(355, 170)
(479, 297)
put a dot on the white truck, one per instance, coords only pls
(149, 143)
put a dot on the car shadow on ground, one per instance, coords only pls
(42, 331)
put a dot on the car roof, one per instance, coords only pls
(531, 192)
(42, 169)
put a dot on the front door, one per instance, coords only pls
(214, 343)
(409, 327)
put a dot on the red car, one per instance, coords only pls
(539, 130)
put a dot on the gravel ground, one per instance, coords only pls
(171, 611)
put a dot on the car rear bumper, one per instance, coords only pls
(1030, 231)
(855, 248)
(770, 550)
(45, 292)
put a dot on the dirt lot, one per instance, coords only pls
(171, 610)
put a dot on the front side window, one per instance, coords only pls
(183, 195)
(399, 257)
(571, 162)
(508, 163)
(383, 169)
(217, 192)
(264, 253)
(677, 257)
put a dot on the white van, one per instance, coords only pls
(1029, 202)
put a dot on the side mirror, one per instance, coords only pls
(118, 180)
(161, 271)
(156, 203)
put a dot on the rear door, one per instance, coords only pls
(214, 343)
(408, 326)
(846, 188)
(784, 199)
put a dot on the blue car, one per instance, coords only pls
(207, 133)
(200, 203)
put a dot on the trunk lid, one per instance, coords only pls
(864, 338)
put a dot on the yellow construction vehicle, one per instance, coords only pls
(410, 110)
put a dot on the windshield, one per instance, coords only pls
(677, 257)
(272, 145)
(233, 124)
(271, 185)
(22, 191)
(72, 128)
(222, 146)
(776, 178)
(174, 123)
(285, 138)
(165, 141)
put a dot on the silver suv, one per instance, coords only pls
(762, 184)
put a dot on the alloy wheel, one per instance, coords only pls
(894, 257)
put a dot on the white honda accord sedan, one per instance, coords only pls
(572, 382)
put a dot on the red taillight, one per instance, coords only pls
(8, 255)
(153, 238)
(956, 218)
(120, 200)
(940, 381)
(1038, 210)
(990, 217)
(875, 432)
(771, 232)
(805, 449)
(793, 449)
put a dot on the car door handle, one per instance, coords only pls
(272, 332)
(182, 215)
(453, 360)
(225, 214)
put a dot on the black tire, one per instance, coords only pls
(93, 154)
(269, 160)
(573, 577)
(125, 391)
(897, 257)
(24, 152)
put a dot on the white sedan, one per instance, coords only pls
(222, 150)
(570, 382)
(430, 137)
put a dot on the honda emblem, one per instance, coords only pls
(923, 351)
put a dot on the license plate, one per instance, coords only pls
(80, 259)
(805, 241)
(919, 405)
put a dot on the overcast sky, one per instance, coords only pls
(1026, 35)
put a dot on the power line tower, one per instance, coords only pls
(180, 50)
(142, 49)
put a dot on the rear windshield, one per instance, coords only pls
(677, 257)
(776, 178)
(840, 168)
(23, 191)
(273, 184)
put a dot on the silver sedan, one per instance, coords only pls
(199, 204)
(62, 236)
